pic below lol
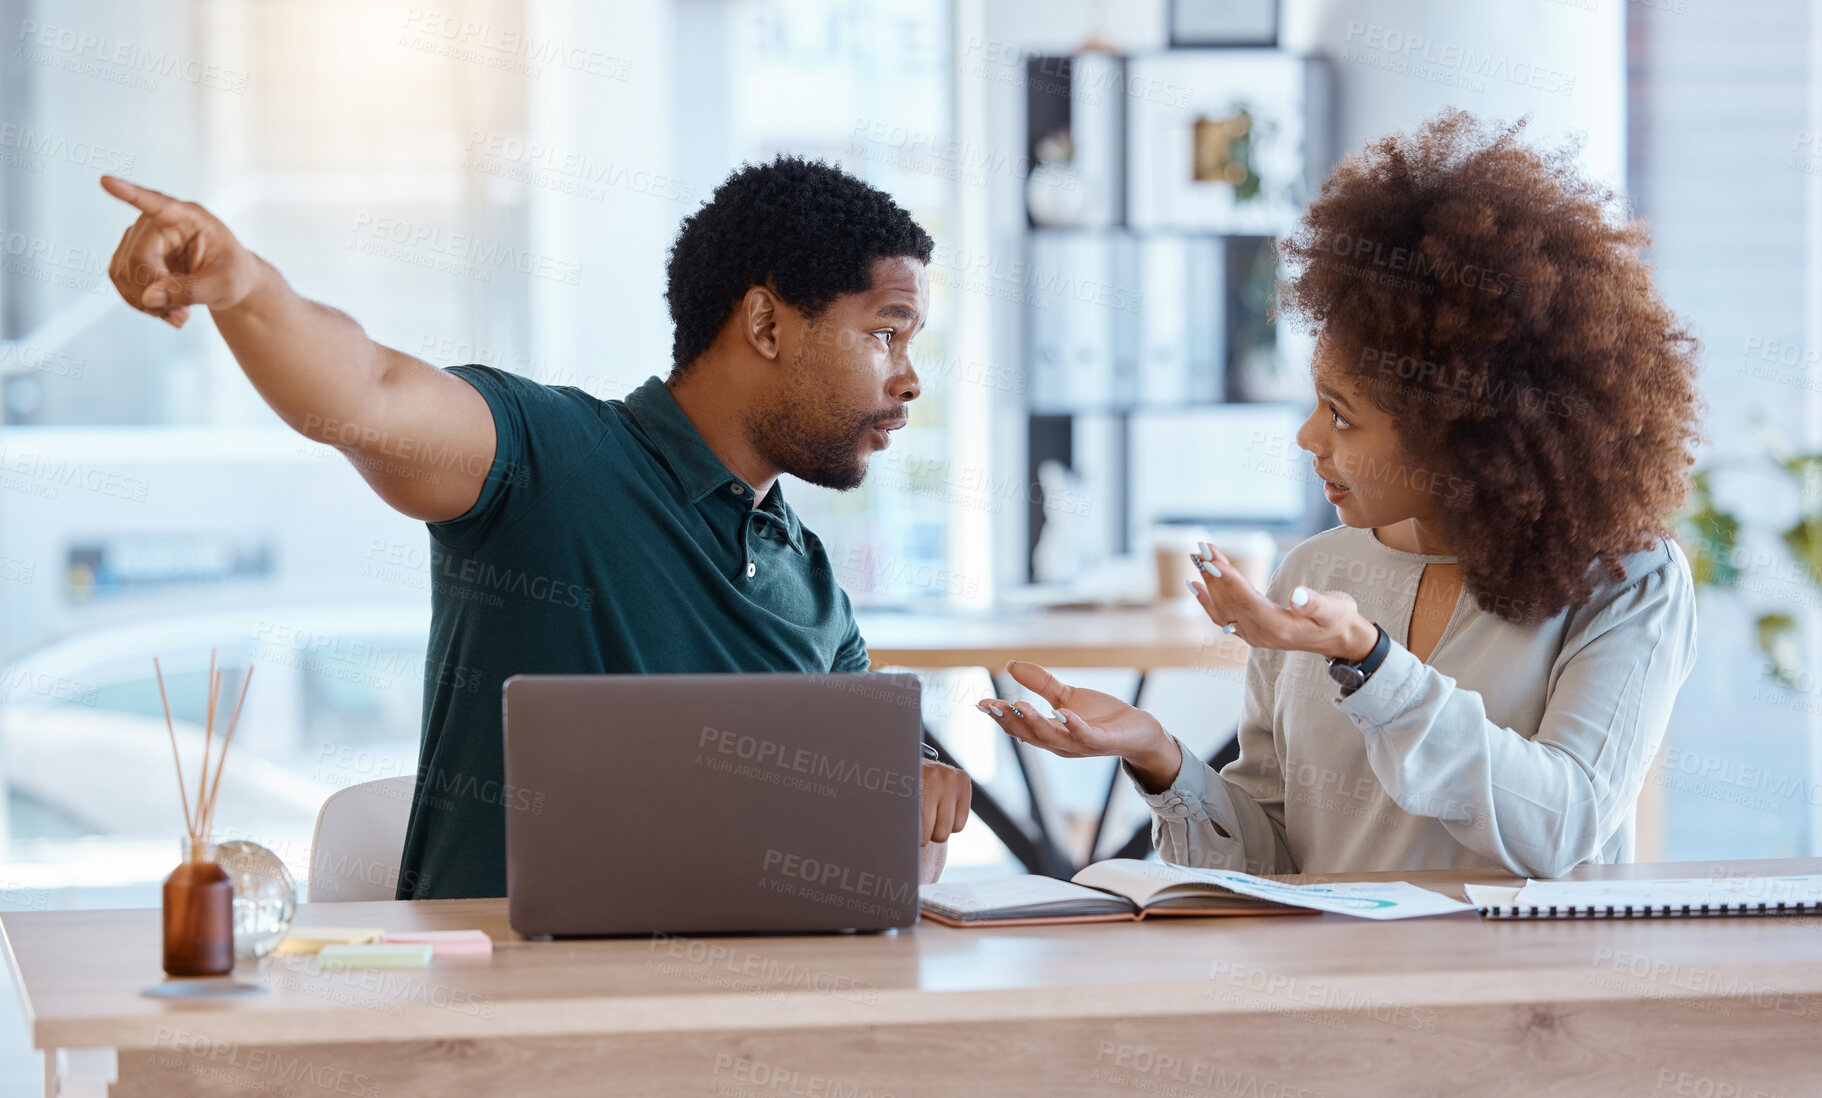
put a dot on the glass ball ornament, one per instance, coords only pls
(265, 897)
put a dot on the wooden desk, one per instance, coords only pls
(1273, 1007)
(1175, 635)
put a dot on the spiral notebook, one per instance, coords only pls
(1655, 899)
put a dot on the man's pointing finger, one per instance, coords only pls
(145, 199)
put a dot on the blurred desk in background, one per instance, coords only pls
(1142, 638)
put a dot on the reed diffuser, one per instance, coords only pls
(198, 896)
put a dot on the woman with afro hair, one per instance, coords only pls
(1476, 668)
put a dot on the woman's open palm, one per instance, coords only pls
(1091, 722)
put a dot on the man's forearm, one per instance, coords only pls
(424, 440)
(311, 363)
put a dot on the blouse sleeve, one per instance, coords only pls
(1539, 800)
(1231, 819)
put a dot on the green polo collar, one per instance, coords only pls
(696, 467)
(786, 515)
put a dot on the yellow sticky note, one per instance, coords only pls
(311, 939)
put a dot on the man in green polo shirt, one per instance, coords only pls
(571, 535)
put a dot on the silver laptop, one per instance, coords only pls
(685, 804)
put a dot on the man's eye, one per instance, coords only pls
(885, 337)
(1335, 415)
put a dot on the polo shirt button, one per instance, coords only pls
(738, 490)
(751, 569)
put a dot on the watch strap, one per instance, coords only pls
(1352, 675)
(1381, 648)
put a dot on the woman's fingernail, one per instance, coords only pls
(1300, 596)
(1208, 550)
(1211, 569)
(1191, 584)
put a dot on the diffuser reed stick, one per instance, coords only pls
(208, 735)
(222, 760)
(200, 818)
(183, 790)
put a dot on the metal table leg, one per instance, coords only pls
(1036, 848)
(1113, 781)
(1037, 854)
(1140, 844)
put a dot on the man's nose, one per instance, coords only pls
(905, 384)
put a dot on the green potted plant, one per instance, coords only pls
(1713, 536)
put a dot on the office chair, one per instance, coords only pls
(359, 836)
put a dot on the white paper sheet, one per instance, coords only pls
(1362, 899)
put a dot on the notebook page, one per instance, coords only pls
(1142, 881)
(1006, 896)
(1673, 893)
(1364, 899)
(1490, 895)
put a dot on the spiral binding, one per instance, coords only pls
(1640, 911)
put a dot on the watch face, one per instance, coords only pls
(1347, 675)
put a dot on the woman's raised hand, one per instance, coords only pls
(1328, 623)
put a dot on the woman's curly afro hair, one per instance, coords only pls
(1478, 292)
(809, 229)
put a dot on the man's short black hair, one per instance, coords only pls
(808, 227)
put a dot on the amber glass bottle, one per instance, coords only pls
(198, 915)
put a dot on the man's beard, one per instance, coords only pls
(807, 436)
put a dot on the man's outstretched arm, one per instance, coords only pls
(423, 438)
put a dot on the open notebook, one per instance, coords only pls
(1123, 889)
(1668, 898)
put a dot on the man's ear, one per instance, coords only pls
(759, 316)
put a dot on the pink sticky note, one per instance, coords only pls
(446, 943)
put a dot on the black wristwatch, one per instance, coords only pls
(1353, 676)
